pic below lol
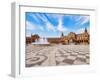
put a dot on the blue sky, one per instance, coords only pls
(51, 25)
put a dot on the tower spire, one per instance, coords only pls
(62, 34)
(85, 30)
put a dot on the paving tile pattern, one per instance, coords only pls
(56, 55)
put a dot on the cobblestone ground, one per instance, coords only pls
(57, 55)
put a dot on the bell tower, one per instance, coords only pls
(85, 30)
(62, 34)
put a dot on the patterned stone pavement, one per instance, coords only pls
(57, 55)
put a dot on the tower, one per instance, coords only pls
(85, 30)
(62, 34)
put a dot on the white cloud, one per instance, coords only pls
(81, 30)
(77, 18)
(50, 27)
(61, 29)
(60, 26)
(28, 34)
(34, 16)
(30, 26)
(41, 28)
(48, 24)
(82, 20)
(42, 17)
(85, 20)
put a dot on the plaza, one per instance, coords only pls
(56, 55)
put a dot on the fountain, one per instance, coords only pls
(41, 41)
